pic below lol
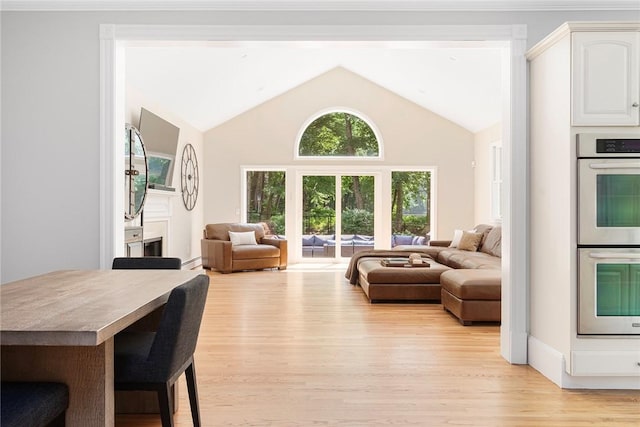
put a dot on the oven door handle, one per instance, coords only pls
(626, 165)
(614, 255)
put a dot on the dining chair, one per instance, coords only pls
(146, 263)
(153, 361)
(33, 404)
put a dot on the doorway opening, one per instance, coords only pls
(511, 38)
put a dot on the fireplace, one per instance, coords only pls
(153, 246)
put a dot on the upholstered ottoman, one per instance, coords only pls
(382, 283)
(472, 295)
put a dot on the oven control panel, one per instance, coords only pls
(617, 145)
(590, 145)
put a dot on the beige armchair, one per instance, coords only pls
(218, 253)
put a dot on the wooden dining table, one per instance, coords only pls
(60, 326)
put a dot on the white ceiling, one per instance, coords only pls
(208, 85)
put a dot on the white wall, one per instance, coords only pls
(185, 227)
(51, 109)
(551, 157)
(482, 172)
(412, 136)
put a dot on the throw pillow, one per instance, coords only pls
(469, 241)
(484, 229)
(492, 243)
(242, 238)
(457, 235)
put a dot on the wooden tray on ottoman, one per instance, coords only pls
(382, 283)
(404, 262)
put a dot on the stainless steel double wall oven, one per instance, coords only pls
(608, 234)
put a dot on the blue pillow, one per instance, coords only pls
(401, 239)
(308, 241)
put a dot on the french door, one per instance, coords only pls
(338, 214)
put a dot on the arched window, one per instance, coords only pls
(339, 134)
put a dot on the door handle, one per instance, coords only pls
(616, 255)
(627, 165)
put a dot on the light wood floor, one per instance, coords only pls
(305, 348)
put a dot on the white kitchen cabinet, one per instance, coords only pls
(605, 78)
(583, 74)
(607, 363)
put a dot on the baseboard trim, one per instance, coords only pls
(192, 263)
(551, 363)
(546, 360)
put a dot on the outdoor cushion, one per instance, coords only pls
(418, 240)
(401, 239)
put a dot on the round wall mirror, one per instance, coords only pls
(135, 173)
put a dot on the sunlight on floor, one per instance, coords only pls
(315, 266)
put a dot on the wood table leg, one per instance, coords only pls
(87, 370)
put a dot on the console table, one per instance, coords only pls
(60, 327)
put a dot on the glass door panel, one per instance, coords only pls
(357, 214)
(318, 216)
(617, 200)
(618, 290)
(634, 290)
(266, 199)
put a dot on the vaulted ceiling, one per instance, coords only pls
(207, 85)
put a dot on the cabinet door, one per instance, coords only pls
(134, 249)
(605, 78)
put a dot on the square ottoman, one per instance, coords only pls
(382, 283)
(472, 295)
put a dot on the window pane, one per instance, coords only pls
(410, 202)
(266, 199)
(496, 182)
(338, 134)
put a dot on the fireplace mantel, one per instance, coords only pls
(158, 205)
(157, 214)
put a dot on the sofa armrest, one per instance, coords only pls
(439, 242)
(216, 254)
(280, 244)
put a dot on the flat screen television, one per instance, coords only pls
(161, 142)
